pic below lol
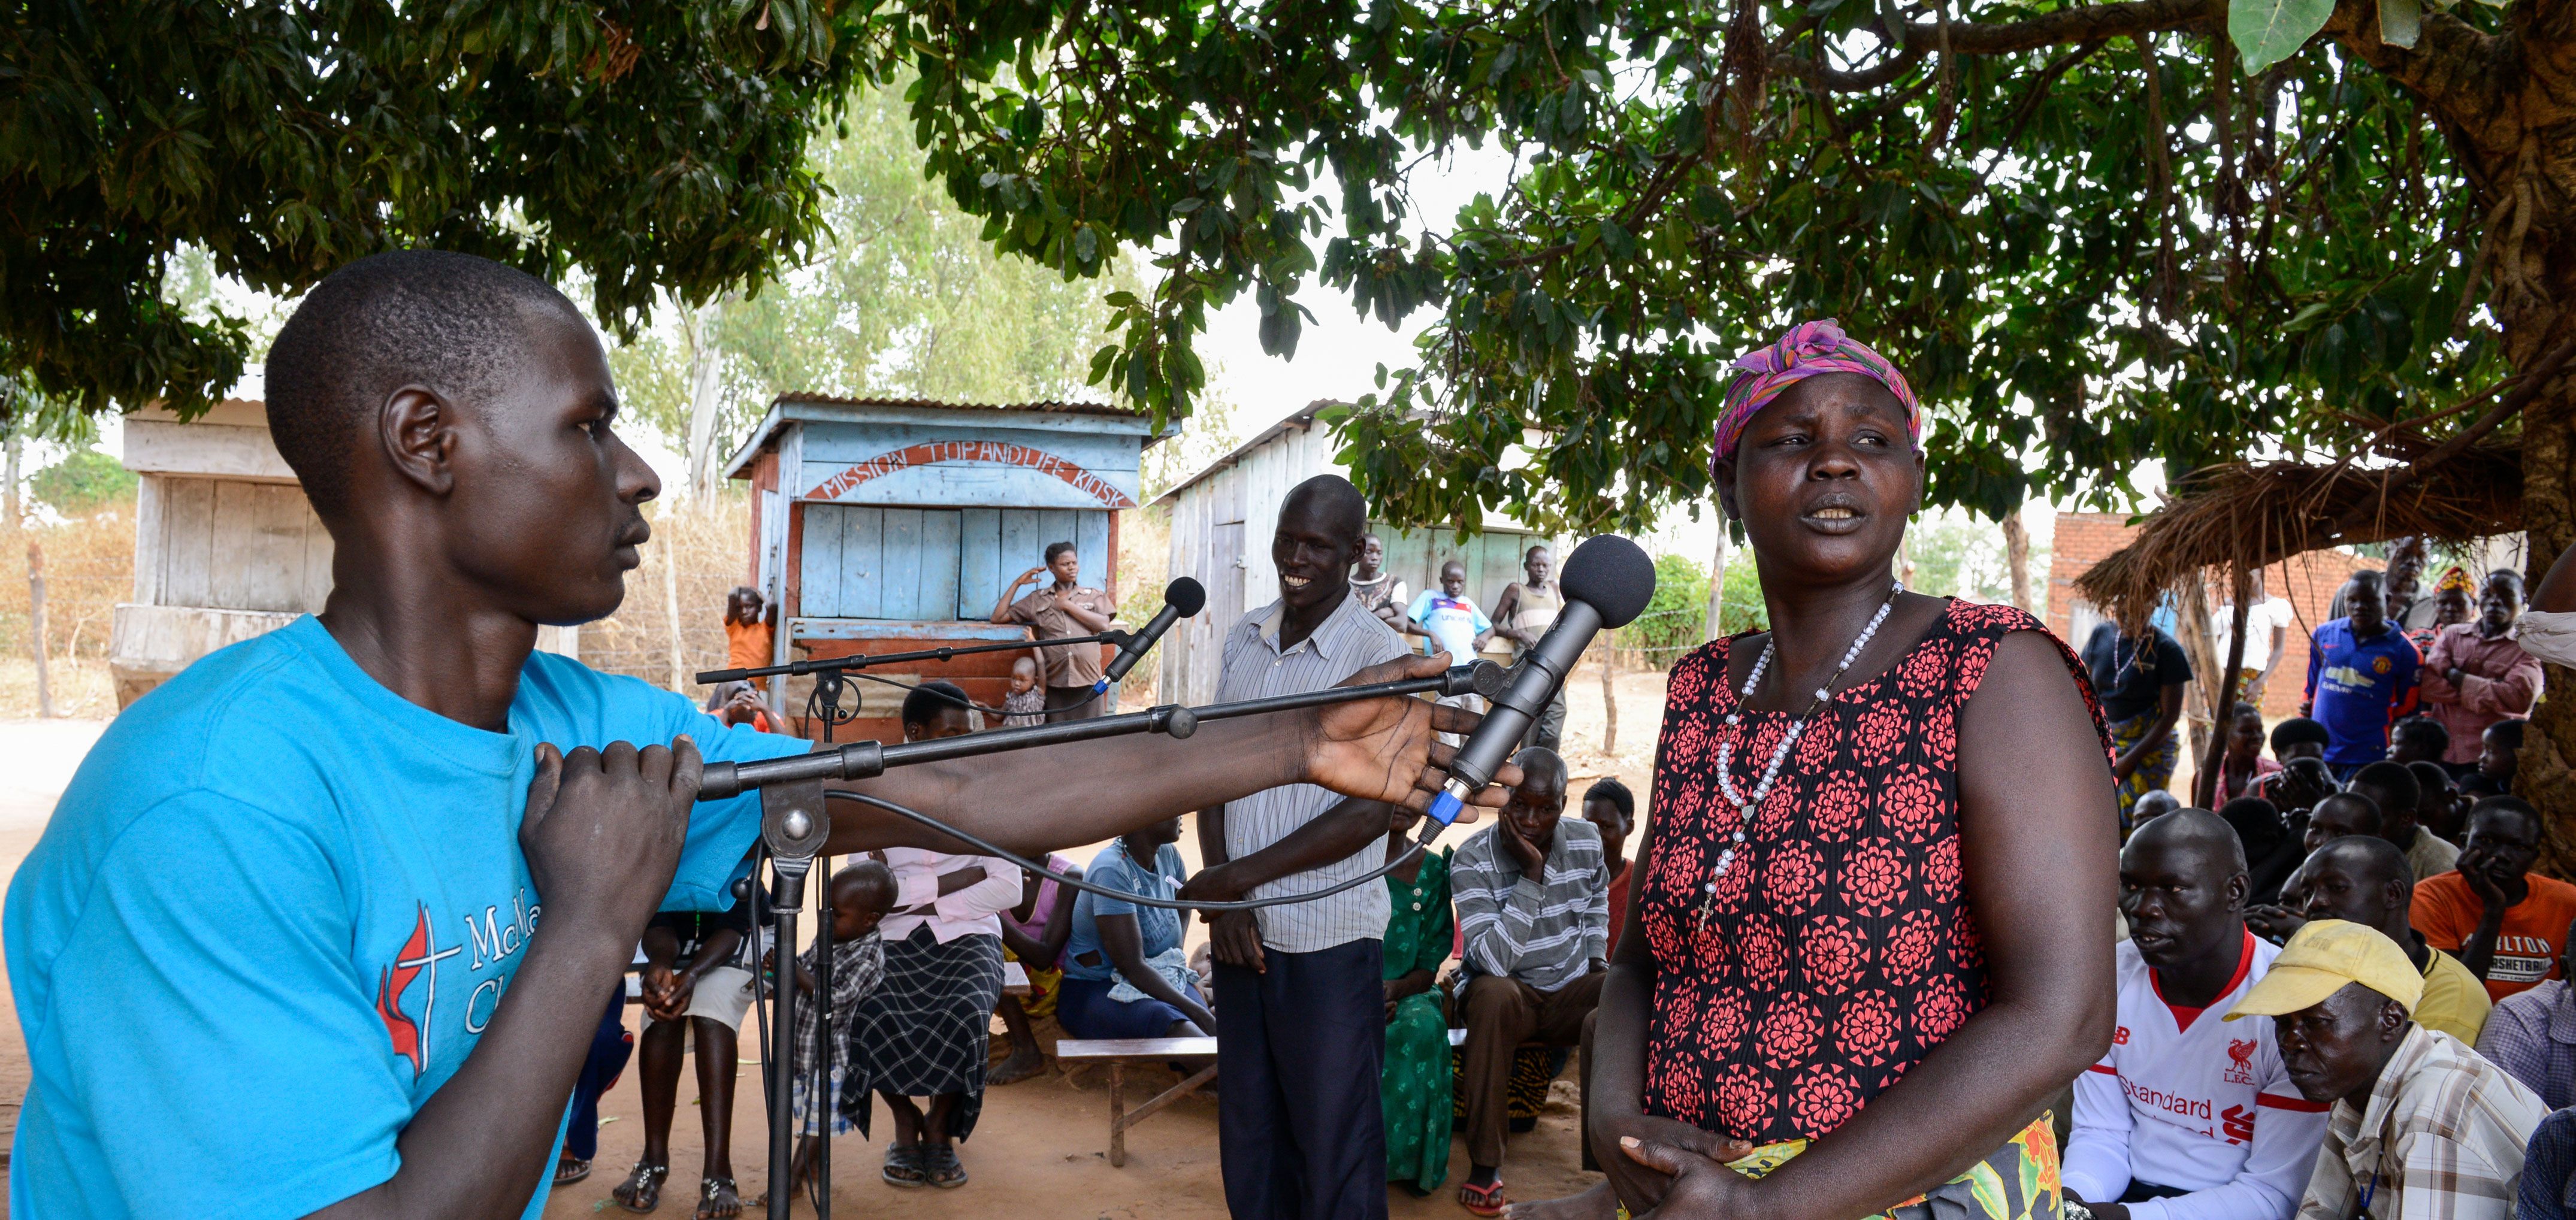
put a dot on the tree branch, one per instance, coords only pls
(2088, 24)
(2531, 384)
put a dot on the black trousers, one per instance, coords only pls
(1299, 1048)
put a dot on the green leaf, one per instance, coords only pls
(2269, 31)
(2401, 22)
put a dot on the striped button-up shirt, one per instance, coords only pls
(1350, 639)
(1543, 931)
(2442, 1139)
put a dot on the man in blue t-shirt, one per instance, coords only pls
(2361, 677)
(1451, 621)
(340, 999)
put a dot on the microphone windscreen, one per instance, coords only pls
(1612, 575)
(1189, 597)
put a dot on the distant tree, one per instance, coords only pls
(903, 298)
(82, 482)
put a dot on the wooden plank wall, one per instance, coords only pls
(1221, 527)
(229, 545)
(861, 561)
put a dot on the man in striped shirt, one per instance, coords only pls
(1300, 1007)
(1533, 899)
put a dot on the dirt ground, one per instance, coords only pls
(1041, 1150)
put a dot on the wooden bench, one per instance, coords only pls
(1118, 1053)
(1015, 981)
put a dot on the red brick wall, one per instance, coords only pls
(2309, 582)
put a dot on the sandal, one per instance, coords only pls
(718, 1199)
(642, 1190)
(903, 1166)
(1483, 1200)
(940, 1166)
(571, 1169)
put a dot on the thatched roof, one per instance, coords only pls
(2246, 515)
(2256, 514)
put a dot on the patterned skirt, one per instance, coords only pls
(2155, 768)
(2019, 1181)
(926, 1029)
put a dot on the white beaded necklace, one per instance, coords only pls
(1745, 806)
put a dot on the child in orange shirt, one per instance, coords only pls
(750, 632)
(2507, 924)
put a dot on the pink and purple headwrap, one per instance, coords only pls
(1808, 349)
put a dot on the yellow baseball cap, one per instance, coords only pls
(2320, 959)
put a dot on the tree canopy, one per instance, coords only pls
(2086, 231)
(903, 298)
(660, 147)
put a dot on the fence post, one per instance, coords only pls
(36, 627)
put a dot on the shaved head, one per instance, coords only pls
(2367, 858)
(1333, 503)
(454, 323)
(2192, 830)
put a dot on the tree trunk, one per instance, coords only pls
(36, 626)
(1610, 696)
(2199, 716)
(1715, 626)
(2500, 103)
(2017, 559)
(706, 364)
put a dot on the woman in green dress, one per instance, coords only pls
(1415, 1085)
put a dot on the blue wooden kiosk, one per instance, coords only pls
(888, 525)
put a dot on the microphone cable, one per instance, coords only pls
(1431, 829)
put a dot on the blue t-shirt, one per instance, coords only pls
(2359, 687)
(274, 911)
(1158, 927)
(1454, 624)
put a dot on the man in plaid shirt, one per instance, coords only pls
(2422, 1127)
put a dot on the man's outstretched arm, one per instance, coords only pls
(1381, 749)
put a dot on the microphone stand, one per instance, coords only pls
(868, 759)
(863, 660)
(794, 828)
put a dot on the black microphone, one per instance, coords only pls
(1181, 599)
(1607, 582)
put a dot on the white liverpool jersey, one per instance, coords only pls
(2189, 1102)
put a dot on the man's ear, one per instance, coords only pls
(2238, 886)
(2392, 1021)
(417, 431)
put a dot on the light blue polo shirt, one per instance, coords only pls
(275, 910)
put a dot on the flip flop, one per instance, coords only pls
(571, 1169)
(642, 1190)
(1483, 1200)
(940, 1166)
(903, 1166)
(708, 1188)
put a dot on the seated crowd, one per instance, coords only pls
(2374, 902)
(2371, 901)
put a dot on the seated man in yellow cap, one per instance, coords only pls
(2365, 879)
(2422, 1128)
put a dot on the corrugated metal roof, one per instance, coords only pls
(739, 465)
(1056, 408)
(1300, 420)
